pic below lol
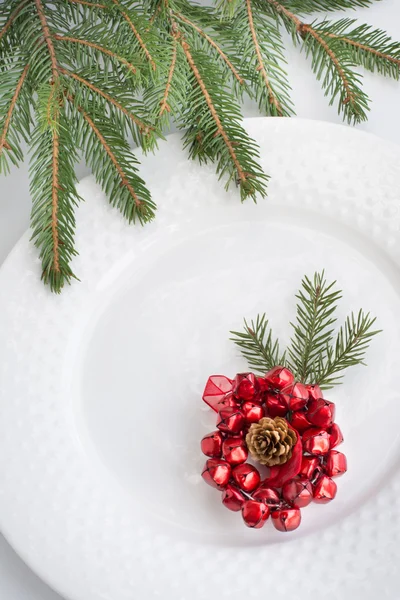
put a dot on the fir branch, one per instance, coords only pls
(88, 3)
(11, 18)
(310, 6)
(349, 350)
(258, 346)
(136, 33)
(164, 106)
(213, 44)
(317, 301)
(47, 39)
(4, 144)
(102, 49)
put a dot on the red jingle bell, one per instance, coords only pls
(336, 464)
(269, 496)
(309, 466)
(227, 400)
(262, 384)
(316, 441)
(276, 405)
(252, 412)
(298, 492)
(211, 444)
(216, 388)
(230, 420)
(232, 498)
(246, 477)
(296, 396)
(321, 413)
(235, 450)
(325, 490)
(336, 436)
(279, 377)
(286, 519)
(255, 514)
(216, 473)
(314, 392)
(299, 421)
(245, 386)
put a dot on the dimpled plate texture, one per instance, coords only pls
(100, 388)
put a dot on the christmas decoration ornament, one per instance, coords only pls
(281, 420)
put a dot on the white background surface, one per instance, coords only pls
(16, 580)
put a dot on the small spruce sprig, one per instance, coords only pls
(85, 77)
(318, 353)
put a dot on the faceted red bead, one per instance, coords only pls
(276, 406)
(245, 386)
(314, 392)
(321, 413)
(247, 477)
(252, 412)
(336, 464)
(216, 388)
(296, 396)
(216, 473)
(230, 420)
(279, 377)
(299, 421)
(255, 513)
(336, 436)
(211, 444)
(227, 400)
(309, 465)
(286, 519)
(298, 492)
(232, 498)
(324, 490)
(235, 450)
(268, 495)
(316, 441)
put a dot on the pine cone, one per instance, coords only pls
(270, 441)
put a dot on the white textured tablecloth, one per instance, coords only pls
(17, 582)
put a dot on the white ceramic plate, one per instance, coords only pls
(100, 388)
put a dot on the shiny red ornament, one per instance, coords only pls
(316, 441)
(235, 450)
(276, 405)
(336, 464)
(279, 475)
(246, 477)
(255, 514)
(321, 413)
(217, 473)
(245, 386)
(262, 384)
(295, 396)
(230, 420)
(314, 392)
(252, 412)
(269, 496)
(336, 436)
(325, 490)
(279, 377)
(309, 467)
(299, 421)
(298, 492)
(286, 519)
(233, 498)
(216, 388)
(227, 400)
(211, 444)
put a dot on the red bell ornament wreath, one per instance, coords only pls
(274, 450)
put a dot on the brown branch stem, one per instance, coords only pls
(12, 18)
(54, 201)
(365, 47)
(164, 102)
(220, 129)
(261, 67)
(213, 44)
(14, 99)
(48, 40)
(142, 126)
(137, 35)
(66, 38)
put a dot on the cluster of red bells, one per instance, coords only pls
(305, 477)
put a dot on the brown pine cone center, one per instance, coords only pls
(270, 441)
